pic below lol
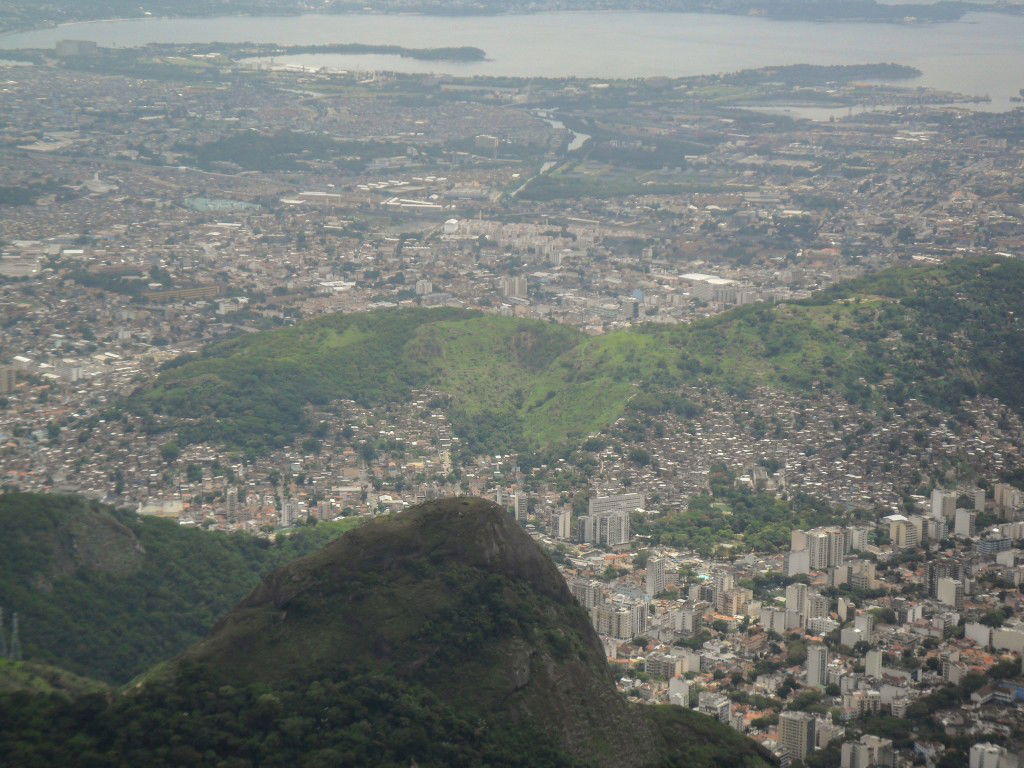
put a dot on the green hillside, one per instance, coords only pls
(105, 593)
(937, 333)
(251, 391)
(28, 677)
(442, 636)
(454, 598)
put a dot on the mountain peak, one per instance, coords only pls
(452, 596)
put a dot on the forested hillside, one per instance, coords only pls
(441, 636)
(938, 333)
(105, 593)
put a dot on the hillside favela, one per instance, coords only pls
(462, 383)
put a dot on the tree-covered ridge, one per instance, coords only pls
(252, 391)
(441, 636)
(963, 333)
(342, 719)
(42, 679)
(938, 333)
(455, 598)
(105, 593)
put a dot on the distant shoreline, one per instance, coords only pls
(830, 11)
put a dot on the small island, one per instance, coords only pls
(254, 50)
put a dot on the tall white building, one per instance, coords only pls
(588, 592)
(622, 502)
(857, 537)
(943, 503)
(689, 621)
(562, 527)
(607, 519)
(619, 620)
(714, 705)
(979, 499)
(1005, 495)
(985, 755)
(951, 592)
(826, 547)
(608, 528)
(656, 579)
(805, 603)
(518, 506)
(865, 622)
(513, 287)
(869, 752)
(796, 598)
(904, 532)
(965, 521)
(817, 606)
(817, 665)
(817, 549)
(796, 734)
(231, 506)
(723, 582)
(873, 663)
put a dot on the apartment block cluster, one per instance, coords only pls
(853, 623)
(607, 522)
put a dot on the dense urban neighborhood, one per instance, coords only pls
(827, 562)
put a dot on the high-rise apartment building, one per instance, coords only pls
(734, 602)
(817, 605)
(965, 523)
(939, 569)
(951, 592)
(721, 584)
(869, 752)
(943, 504)
(986, 755)
(513, 287)
(607, 519)
(606, 528)
(622, 502)
(979, 499)
(518, 505)
(904, 532)
(857, 538)
(1007, 497)
(656, 579)
(817, 549)
(796, 597)
(796, 734)
(231, 506)
(587, 592)
(689, 621)
(561, 524)
(7, 379)
(618, 620)
(817, 665)
(873, 663)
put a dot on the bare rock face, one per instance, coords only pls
(90, 541)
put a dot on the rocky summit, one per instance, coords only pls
(454, 597)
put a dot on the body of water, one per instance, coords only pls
(982, 54)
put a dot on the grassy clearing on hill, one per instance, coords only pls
(937, 333)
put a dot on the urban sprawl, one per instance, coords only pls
(142, 219)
